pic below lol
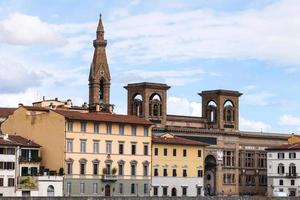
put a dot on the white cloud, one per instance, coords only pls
(249, 34)
(26, 98)
(263, 99)
(21, 29)
(182, 106)
(289, 120)
(251, 125)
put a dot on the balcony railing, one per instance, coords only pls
(291, 175)
(27, 183)
(29, 159)
(109, 177)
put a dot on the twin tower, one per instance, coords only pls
(220, 108)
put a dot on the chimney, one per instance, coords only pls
(20, 104)
(85, 105)
(97, 108)
(69, 103)
(44, 98)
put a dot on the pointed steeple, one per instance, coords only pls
(99, 78)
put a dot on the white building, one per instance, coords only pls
(20, 167)
(283, 170)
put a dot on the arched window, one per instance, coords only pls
(101, 90)
(155, 106)
(50, 191)
(280, 168)
(228, 111)
(212, 111)
(292, 169)
(137, 107)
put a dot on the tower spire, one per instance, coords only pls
(99, 79)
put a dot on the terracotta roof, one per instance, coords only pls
(16, 140)
(102, 117)
(5, 112)
(176, 140)
(295, 146)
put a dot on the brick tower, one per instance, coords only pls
(99, 78)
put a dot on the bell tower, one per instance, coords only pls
(221, 108)
(99, 78)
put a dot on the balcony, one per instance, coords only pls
(23, 159)
(109, 177)
(27, 183)
(291, 175)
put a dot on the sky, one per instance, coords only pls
(192, 45)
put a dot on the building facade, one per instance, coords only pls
(20, 173)
(177, 166)
(283, 169)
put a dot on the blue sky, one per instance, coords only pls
(250, 46)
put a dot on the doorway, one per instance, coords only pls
(174, 192)
(210, 175)
(107, 190)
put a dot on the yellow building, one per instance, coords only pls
(101, 153)
(177, 166)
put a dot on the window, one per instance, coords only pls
(82, 188)
(96, 127)
(165, 191)
(199, 153)
(184, 173)
(69, 168)
(155, 191)
(200, 173)
(11, 182)
(10, 151)
(165, 172)
(280, 155)
(108, 147)
(250, 180)
(82, 168)
(146, 131)
(70, 126)
(121, 129)
(1, 181)
(199, 190)
(280, 182)
(262, 160)
(165, 152)
(292, 182)
(184, 152)
(292, 155)
(292, 169)
(121, 148)
(133, 149)
(96, 146)
(155, 172)
(145, 170)
(174, 172)
(121, 188)
(95, 188)
(83, 127)
(133, 169)
(108, 128)
(121, 167)
(82, 146)
(95, 168)
(280, 169)
(228, 158)
(145, 188)
(133, 130)
(145, 149)
(156, 151)
(184, 191)
(174, 152)
(263, 180)
(228, 178)
(249, 161)
(69, 187)
(69, 145)
(132, 188)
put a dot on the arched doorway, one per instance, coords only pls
(107, 190)
(50, 191)
(174, 192)
(210, 175)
